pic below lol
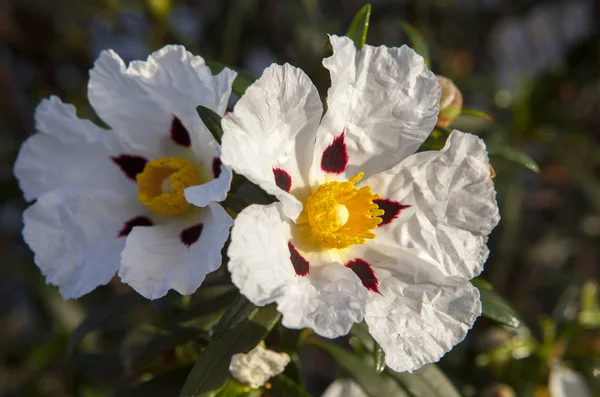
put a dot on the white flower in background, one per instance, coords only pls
(364, 227)
(344, 388)
(258, 366)
(564, 382)
(121, 199)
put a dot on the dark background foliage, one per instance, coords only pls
(533, 65)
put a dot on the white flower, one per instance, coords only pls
(344, 388)
(364, 227)
(119, 199)
(258, 366)
(565, 382)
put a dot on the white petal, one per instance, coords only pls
(565, 382)
(214, 190)
(140, 102)
(273, 126)
(258, 366)
(344, 388)
(155, 259)
(329, 299)
(75, 236)
(68, 151)
(453, 204)
(384, 100)
(419, 314)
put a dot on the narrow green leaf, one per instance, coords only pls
(417, 41)
(235, 314)
(285, 387)
(147, 342)
(360, 26)
(243, 80)
(167, 384)
(212, 122)
(494, 306)
(428, 381)
(379, 356)
(211, 371)
(363, 372)
(100, 315)
(476, 113)
(513, 154)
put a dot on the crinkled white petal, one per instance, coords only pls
(420, 314)
(344, 388)
(383, 99)
(564, 382)
(211, 191)
(69, 152)
(140, 101)
(257, 366)
(74, 235)
(329, 299)
(155, 259)
(273, 126)
(453, 205)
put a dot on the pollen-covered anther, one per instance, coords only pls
(341, 215)
(161, 185)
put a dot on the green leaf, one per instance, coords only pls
(417, 41)
(243, 80)
(476, 113)
(211, 371)
(100, 315)
(363, 372)
(285, 387)
(494, 306)
(212, 122)
(150, 341)
(167, 384)
(379, 356)
(235, 314)
(512, 154)
(360, 26)
(428, 381)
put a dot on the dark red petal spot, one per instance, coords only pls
(190, 235)
(179, 133)
(365, 272)
(392, 210)
(131, 165)
(335, 157)
(133, 222)
(300, 264)
(216, 167)
(283, 180)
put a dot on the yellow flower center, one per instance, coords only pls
(340, 215)
(161, 185)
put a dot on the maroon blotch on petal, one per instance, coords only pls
(300, 264)
(365, 272)
(335, 157)
(216, 167)
(283, 180)
(180, 134)
(133, 222)
(190, 235)
(392, 210)
(130, 164)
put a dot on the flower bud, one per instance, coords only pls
(258, 366)
(450, 102)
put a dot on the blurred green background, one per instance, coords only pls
(534, 66)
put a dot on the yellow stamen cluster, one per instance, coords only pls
(340, 215)
(161, 185)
